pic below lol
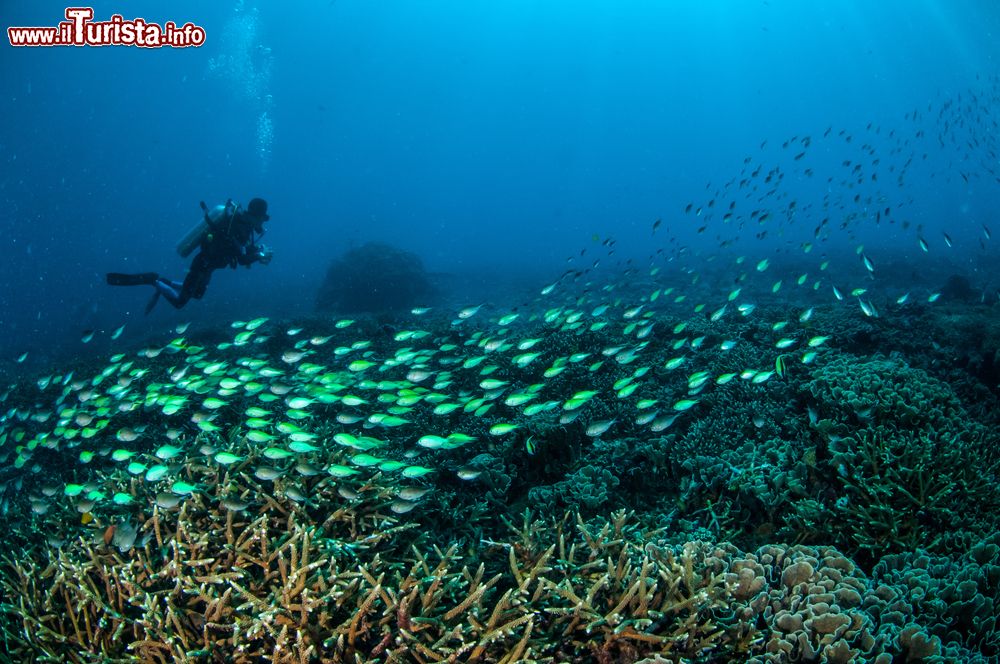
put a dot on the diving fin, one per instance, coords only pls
(141, 279)
(152, 301)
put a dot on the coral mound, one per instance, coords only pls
(375, 277)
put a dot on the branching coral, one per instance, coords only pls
(271, 588)
(896, 449)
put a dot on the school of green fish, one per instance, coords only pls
(627, 355)
(338, 406)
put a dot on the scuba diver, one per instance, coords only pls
(228, 236)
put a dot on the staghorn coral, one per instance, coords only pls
(274, 588)
(271, 586)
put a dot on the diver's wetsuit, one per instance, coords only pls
(231, 242)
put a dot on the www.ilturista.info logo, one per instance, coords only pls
(79, 29)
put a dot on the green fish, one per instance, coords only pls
(416, 471)
(183, 488)
(227, 458)
(167, 452)
(156, 473)
(502, 429)
(276, 453)
(121, 498)
(337, 470)
(816, 342)
(365, 460)
(257, 436)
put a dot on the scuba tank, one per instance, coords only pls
(194, 237)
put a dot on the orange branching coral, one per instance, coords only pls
(205, 586)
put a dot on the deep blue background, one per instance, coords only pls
(488, 137)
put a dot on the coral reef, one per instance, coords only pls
(539, 490)
(955, 601)
(203, 587)
(375, 277)
(957, 287)
(897, 445)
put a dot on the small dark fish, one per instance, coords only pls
(235, 504)
(123, 537)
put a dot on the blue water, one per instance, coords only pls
(781, 211)
(492, 139)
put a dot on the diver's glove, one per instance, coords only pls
(264, 254)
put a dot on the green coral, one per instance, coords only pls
(871, 455)
(895, 462)
(886, 393)
(956, 600)
(590, 487)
